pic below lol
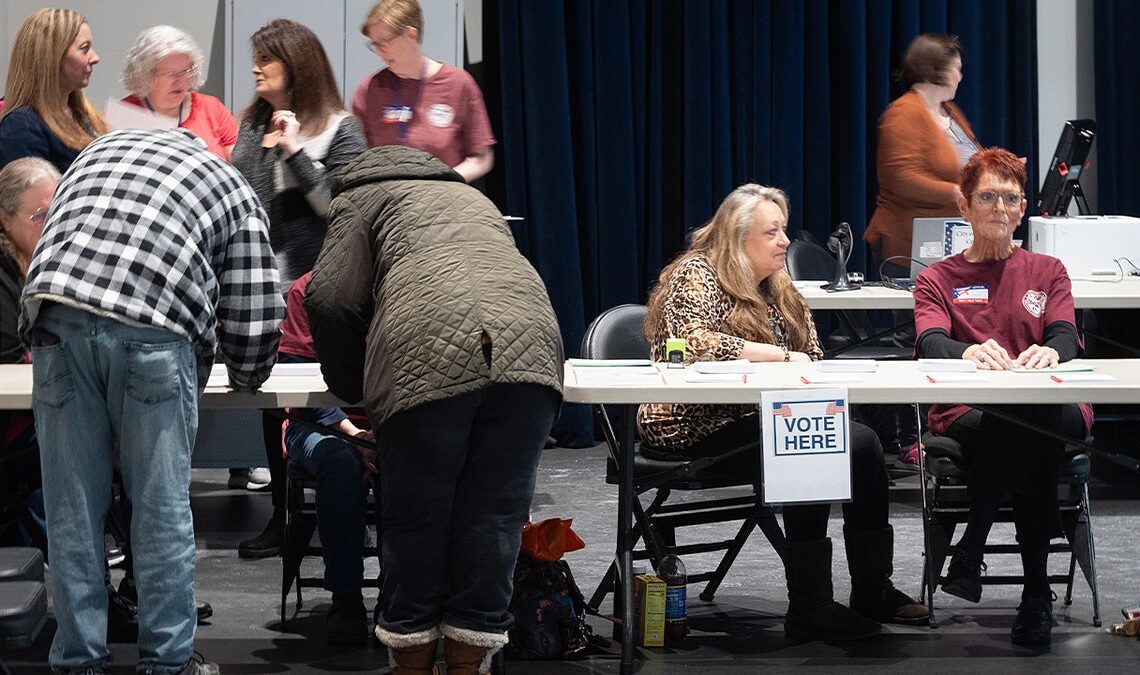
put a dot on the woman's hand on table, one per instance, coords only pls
(989, 355)
(1037, 356)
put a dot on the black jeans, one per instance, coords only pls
(1001, 455)
(457, 478)
(868, 507)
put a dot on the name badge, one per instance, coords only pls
(396, 114)
(978, 294)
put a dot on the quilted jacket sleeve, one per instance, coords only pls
(339, 302)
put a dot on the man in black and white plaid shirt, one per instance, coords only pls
(155, 254)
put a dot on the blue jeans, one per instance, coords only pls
(341, 498)
(107, 391)
(457, 477)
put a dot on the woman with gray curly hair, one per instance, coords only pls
(163, 73)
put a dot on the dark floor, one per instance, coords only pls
(741, 632)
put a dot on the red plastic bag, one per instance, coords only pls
(550, 539)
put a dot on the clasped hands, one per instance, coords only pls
(990, 355)
(283, 130)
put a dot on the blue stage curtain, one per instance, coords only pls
(624, 123)
(1117, 100)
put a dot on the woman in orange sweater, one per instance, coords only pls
(924, 141)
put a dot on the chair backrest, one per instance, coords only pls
(617, 334)
(810, 261)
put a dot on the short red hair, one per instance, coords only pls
(998, 161)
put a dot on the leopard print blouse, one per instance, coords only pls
(696, 308)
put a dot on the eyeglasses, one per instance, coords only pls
(377, 45)
(989, 198)
(172, 75)
(39, 217)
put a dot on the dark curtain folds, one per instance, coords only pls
(1117, 61)
(625, 123)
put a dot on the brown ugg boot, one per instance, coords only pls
(411, 654)
(469, 652)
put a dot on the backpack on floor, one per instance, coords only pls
(549, 612)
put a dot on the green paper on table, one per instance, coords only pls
(1059, 368)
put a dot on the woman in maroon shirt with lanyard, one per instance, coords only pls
(1002, 307)
(418, 102)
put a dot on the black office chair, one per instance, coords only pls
(945, 506)
(857, 337)
(617, 334)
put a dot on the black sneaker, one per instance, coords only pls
(122, 618)
(265, 545)
(964, 577)
(1033, 626)
(128, 590)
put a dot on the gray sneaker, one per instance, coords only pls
(199, 666)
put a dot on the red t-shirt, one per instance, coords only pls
(209, 119)
(296, 336)
(448, 116)
(1011, 301)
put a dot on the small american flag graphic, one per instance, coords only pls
(781, 410)
(834, 407)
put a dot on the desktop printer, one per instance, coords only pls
(1087, 245)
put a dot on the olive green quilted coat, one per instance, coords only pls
(418, 271)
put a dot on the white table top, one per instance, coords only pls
(290, 386)
(894, 382)
(1087, 294)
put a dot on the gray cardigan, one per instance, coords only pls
(296, 230)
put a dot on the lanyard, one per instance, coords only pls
(405, 119)
(180, 104)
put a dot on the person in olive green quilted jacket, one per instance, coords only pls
(422, 307)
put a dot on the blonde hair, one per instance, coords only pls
(399, 15)
(33, 78)
(721, 240)
(15, 179)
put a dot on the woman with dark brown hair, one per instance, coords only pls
(729, 297)
(291, 140)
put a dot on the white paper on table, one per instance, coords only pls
(957, 378)
(806, 451)
(738, 366)
(608, 363)
(619, 375)
(122, 115)
(946, 366)
(296, 369)
(1067, 378)
(699, 377)
(848, 366)
(831, 378)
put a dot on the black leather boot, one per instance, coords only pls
(870, 556)
(813, 613)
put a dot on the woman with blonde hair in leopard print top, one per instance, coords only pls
(729, 296)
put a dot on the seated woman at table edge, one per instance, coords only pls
(1002, 307)
(730, 298)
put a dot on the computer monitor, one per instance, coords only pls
(1062, 182)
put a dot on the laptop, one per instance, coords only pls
(935, 239)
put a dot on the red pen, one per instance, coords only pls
(804, 380)
(1055, 378)
(931, 379)
(744, 378)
